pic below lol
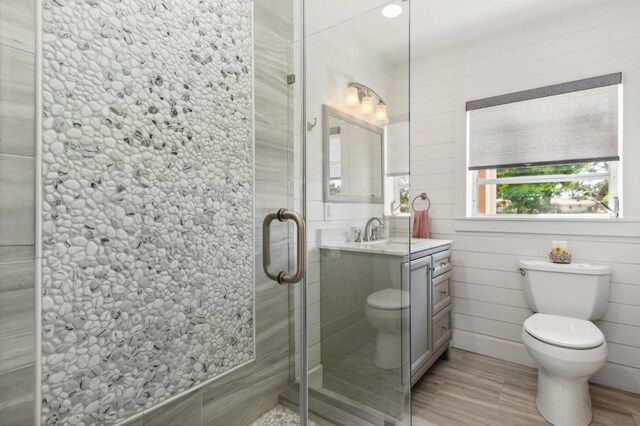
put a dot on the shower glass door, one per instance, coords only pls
(280, 260)
(341, 162)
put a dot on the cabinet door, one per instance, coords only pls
(419, 271)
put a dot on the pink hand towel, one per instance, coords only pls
(421, 224)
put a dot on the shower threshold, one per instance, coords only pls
(280, 416)
(335, 409)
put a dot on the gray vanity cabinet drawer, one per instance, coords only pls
(441, 263)
(441, 327)
(441, 296)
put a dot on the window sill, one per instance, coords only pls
(593, 226)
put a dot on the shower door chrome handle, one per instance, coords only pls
(283, 277)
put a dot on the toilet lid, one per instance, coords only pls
(389, 298)
(565, 332)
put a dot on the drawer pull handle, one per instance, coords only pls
(443, 264)
(443, 292)
(444, 327)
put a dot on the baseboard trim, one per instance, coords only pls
(619, 377)
(505, 350)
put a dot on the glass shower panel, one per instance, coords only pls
(357, 89)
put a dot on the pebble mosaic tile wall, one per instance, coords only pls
(147, 202)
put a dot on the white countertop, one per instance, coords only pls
(392, 246)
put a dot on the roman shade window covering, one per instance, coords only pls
(573, 122)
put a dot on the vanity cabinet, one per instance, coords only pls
(431, 309)
(352, 271)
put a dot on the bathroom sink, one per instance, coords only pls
(389, 243)
(380, 242)
(390, 246)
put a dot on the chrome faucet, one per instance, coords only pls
(368, 234)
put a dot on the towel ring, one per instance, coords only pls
(422, 196)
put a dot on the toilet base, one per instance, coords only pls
(564, 401)
(387, 351)
(563, 380)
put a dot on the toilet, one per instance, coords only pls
(560, 336)
(387, 310)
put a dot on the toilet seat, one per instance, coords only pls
(389, 299)
(564, 332)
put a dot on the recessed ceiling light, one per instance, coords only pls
(392, 11)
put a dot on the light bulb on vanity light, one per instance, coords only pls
(381, 113)
(351, 98)
(367, 105)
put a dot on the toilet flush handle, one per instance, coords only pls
(522, 271)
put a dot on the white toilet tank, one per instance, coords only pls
(576, 290)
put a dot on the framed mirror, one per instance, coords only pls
(353, 158)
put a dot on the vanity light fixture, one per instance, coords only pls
(359, 95)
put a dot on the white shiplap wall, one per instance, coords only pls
(488, 301)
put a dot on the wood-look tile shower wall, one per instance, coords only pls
(17, 211)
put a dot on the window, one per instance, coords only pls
(547, 151)
(335, 166)
(579, 188)
(400, 195)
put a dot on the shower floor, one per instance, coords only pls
(280, 416)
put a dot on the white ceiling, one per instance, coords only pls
(435, 24)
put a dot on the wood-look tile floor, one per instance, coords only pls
(472, 390)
